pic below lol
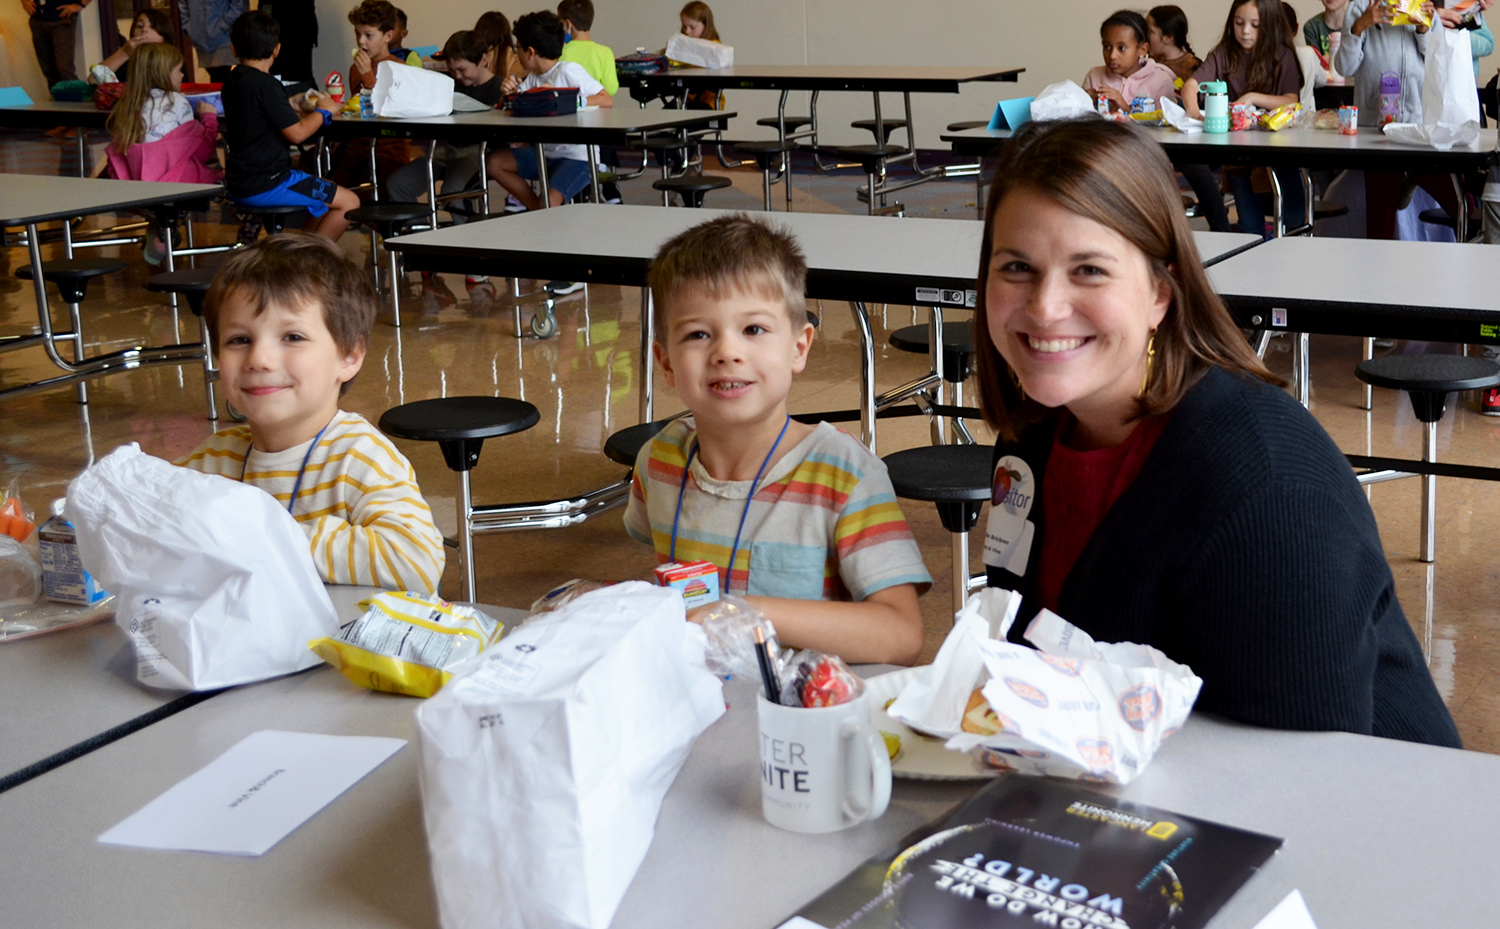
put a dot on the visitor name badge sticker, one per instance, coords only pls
(1009, 534)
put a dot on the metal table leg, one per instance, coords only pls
(648, 356)
(861, 316)
(1429, 495)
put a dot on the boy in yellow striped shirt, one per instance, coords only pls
(292, 319)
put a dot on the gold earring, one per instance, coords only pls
(1016, 380)
(1150, 358)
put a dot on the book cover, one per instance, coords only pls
(1030, 851)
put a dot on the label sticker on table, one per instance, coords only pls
(1278, 318)
(942, 296)
(1489, 331)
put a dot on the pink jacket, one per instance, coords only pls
(180, 157)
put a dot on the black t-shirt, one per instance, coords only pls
(488, 93)
(256, 109)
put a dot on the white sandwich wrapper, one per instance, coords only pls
(1071, 708)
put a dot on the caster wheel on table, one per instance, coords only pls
(544, 324)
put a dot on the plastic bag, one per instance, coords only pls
(813, 679)
(408, 643)
(730, 628)
(1063, 100)
(560, 596)
(20, 575)
(404, 92)
(545, 760)
(214, 580)
(1450, 108)
(1175, 116)
(702, 53)
(1071, 707)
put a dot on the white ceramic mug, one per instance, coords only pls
(822, 768)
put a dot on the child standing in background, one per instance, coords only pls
(1256, 60)
(1128, 71)
(698, 23)
(1167, 31)
(1319, 30)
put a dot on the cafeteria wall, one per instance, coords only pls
(1053, 41)
(15, 32)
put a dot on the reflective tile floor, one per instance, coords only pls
(460, 339)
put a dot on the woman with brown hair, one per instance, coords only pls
(1153, 483)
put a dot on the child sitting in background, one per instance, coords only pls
(1313, 73)
(291, 318)
(800, 520)
(1167, 31)
(156, 137)
(1128, 71)
(398, 42)
(374, 24)
(455, 166)
(598, 60)
(539, 45)
(698, 23)
(494, 30)
(259, 122)
(1256, 61)
(149, 26)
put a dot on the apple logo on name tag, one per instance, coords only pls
(1009, 534)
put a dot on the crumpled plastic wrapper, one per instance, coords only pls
(1071, 708)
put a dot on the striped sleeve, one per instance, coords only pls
(223, 453)
(377, 529)
(874, 544)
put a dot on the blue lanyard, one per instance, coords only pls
(297, 486)
(682, 488)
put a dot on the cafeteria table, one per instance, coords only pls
(82, 116)
(29, 200)
(1378, 832)
(860, 259)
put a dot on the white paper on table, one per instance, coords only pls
(255, 794)
(1290, 913)
(799, 922)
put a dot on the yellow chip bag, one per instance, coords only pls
(1281, 117)
(408, 643)
(1408, 13)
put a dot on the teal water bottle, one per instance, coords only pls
(1215, 106)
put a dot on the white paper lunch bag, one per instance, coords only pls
(545, 760)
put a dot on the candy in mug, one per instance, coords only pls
(822, 769)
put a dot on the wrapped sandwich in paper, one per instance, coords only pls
(408, 643)
(1071, 707)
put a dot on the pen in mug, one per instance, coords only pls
(767, 668)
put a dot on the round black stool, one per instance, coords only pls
(662, 147)
(71, 275)
(774, 160)
(1427, 380)
(793, 123)
(388, 220)
(692, 187)
(869, 125)
(193, 284)
(872, 160)
(625, 446)
(460, 425)
(272, 218)
(958, 479)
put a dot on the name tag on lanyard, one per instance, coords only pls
(1009, 534)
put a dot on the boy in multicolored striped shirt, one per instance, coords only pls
(292, 319)
(800, 520)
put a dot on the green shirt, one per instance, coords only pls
(597, 60)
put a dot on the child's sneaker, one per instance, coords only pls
(512, 205)
(249, 231)
(1489, 402)
(560, 288)
(476, 278)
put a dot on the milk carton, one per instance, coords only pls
(63, 576)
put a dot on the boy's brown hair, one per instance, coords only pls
(578, 12)
(294, 269)
(378, 13)
(731, 254)
(465, 45)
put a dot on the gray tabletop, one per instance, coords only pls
(1422, 290)
(911, 78)
(49, 113)
(1317, 149)
(1365, 820)
(31, 198)
(922, 262)
(612, 126)
(64, 687)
